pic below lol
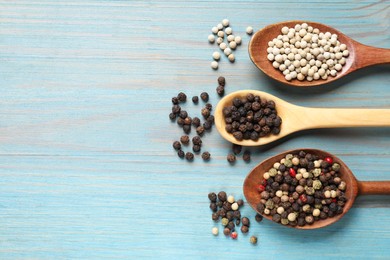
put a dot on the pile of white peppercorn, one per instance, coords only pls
(305, 53)
(226, 40)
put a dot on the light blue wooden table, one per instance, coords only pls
(87, 170)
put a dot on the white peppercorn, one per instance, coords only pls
(214, 30)
(238, 40)
(225, 22)
(216, 55)
(228, 30)
(211, 38)
(214, 231)
(231, 57)
(214, 65)
(230, 198)
(223, 46)
(249, 30)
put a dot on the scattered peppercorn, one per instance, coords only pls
(196, 148)
(189, 156)
(180, 153)
(234, 235)
(253, 240)
(221, 81)
(176, 145)
(244, 229)
(245, 221)
(187, 129)
(258, 217)
(172, 116)
(212, 197)
(175, 100)
(226, 231)
(206, 156)
(204, 96)
(214, 231)
(220, 90)
(182, 97)
(196, 121)
(231, 158)
(236, 149)
(195, 99)
(197, 140)
(185, 139)
(200, 130)
(246, 156)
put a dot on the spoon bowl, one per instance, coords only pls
(354, 187)
(297, 118)
(359, 55)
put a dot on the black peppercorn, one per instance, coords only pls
(240, 202)
(213, 206)
(180, 153)
(212, 197)
(246, 156)
(222, 196)
(175, 100)
(195, 99)
(206, 156)
(176, 109)
(205, 112)
(172, 116)
(276, 218)
(258, 217)
(238, 135)
(176, 145)
(238, 222)
(196, 121)
(244, 229)
(237, 214)
(221, 81)
(197, 140)
(231, 158)
(185, 139)
(207, 125)
(204, 96)
(220, 90)
(182, 97)
(236, 149)
(196, 148)
(209, 106)
(226, 231)
(260, 208)
(245, 221)
(229, 214)
(200, 130)
(231, 225)
(211, 119)
(183, 114)
(214, 216)
(189, 156)
(187, 129)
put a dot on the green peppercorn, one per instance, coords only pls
(317, 184)
(253, 240)
(336, 167)
(284, 221)
(224, 222)
(288, 163)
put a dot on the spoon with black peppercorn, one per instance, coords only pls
(296, 118)
(353, 186)
(360, 55)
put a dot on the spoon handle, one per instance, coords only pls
(367, 56)
(339, 117)
(374, 187)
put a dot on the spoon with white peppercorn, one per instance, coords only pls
(319, 54)
(296, 118)
(350, 189)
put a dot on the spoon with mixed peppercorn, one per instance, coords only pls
(312, 45)
(252, 118)
(316, 188)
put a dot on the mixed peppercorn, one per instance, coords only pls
(301, 189)
(251, 117)
(227, 209)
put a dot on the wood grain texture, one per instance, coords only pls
(86, 164)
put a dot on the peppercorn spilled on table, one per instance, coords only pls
(94, 166)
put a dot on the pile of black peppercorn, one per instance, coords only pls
(301, 189)
(251, 117)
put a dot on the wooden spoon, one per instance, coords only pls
(354, 187)
(360, 55)
(296, 118)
